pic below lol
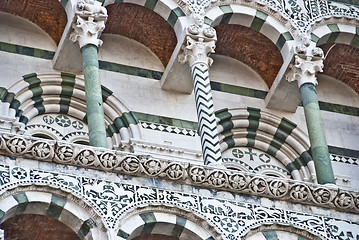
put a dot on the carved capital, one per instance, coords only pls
(90, 22)
(306, 66)
(197, 51)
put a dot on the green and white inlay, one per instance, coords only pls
(278, 137)
(257, 20)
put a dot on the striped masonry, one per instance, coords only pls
(50, 205)
(205, 113)
(161, 223)
(167, 10)
(65, 94)
(336, 33)
(279, 137)
(257, 20)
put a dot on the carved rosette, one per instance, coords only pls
(89, 23)
(203, 176)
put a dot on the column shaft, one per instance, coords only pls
(207, 126)
(94, 104)
(316, 133)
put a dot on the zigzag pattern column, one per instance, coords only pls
(200, 43)
(205, 113)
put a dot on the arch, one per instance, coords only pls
(56, 204)
(280, 232)
(65, 94)
(279, 137)
(137, 20)
(336, 33)
(49, 15)
(166, 220)
(261, 21)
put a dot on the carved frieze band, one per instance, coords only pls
(146, 166)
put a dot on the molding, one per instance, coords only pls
(195, 175)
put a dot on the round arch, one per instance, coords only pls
(279, 137)
(166, 220)
(335, 33)
(261, 20)
(54, 203)
(138, 20)
(65, 94)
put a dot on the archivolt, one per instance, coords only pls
(276, 136)
(166, 220)
(54, 203)
(65, 93)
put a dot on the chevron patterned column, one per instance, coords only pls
(200, 43)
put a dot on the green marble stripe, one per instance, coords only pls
(151, 4)
(85, 228)
(148, 228)
(306, 157)
(148, 217)
(258, 21)
(227, 14)
(283, 38)
(284, 129)
(3, 93)
(208, 21)
(105, 93)
(64, 3)
(314, 37)
(130, 70)
(270, 235)
(253, 118)
(292, 166)
(27, 51)
(174, 15)
(22, 200)
(227, 135)
(230, 142)
(248, 92)
(344, 151)
(111, 130)
(56, 206)
(67, 87)
(335, 33)
(166, 120)
(178, 228)
(338, 108)
(36, 89)
(223, 114)
(227, 126)
(122, 234)
(129, 118)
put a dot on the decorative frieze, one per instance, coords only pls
(195, 175)
(232, 219)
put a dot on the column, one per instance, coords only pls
(303, 70)
(200, 42)
(90, 22)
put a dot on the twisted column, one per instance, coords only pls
(303, 70)
(90, 22)
(200, 42)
